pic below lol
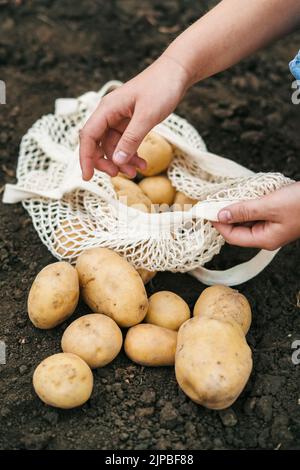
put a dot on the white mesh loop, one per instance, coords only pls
(72, 215)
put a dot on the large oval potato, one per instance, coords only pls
(151, 345)
(110, 285)
(157, 152)
(158, 189)
(54, 295)
(168, 310)
(224, 303)
(183, 202)
(63, 380)
(213, 361)
(95, 338)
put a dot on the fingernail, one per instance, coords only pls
(224, 217)
(120, 157)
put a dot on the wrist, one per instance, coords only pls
(178, 69)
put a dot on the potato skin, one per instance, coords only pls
(95, 338)
(110, 285)
(135, 197)
(63, 381)
(213, 361)
(158, 189)
(183, 202)
(168, 310)
(224, 303)
(157, 152)
(146, 275)
(53, 295)
(151, 345)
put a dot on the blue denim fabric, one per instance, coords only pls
(295, 66)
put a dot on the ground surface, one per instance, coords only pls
(57, 48)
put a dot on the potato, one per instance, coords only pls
(131, 194)
(157, 152)
(110, 285)
(183, 202)
(63, 380)
(213, 361)
(54, 295)
(151, 345)
(168, 310)
(146, 275)
(158, 189)
(95, 338)
(69, 236)
(136, 200)
(224, 303)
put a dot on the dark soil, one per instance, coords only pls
(51, 49)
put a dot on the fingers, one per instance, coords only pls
(132, 137)
(90, 136)
(107, 166)
(110, 142)
(246, 211)
(237, 235)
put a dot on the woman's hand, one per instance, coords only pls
(111, 136)
(271, 221)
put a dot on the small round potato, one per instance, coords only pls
(110, 285)
(158, 189)
(63, 380)
(146, 275)
(95, 338)
(54, 295)
(151, 345)
(213, 361)
(183, 202)
(69, 236)
(168, 310)
(157, 152)
(224, 303)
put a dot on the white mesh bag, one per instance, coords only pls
(71, 215)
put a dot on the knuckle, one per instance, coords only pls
(130, 138)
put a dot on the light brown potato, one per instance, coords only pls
(54, 295)
(69, 236)
(146, 275)
(138, 201)
(63, 380)
(130, 194)
(157, 152)
(158, 189)
(224, 303)
(151, 345)
(95, 338)
(183, 202)
(213, 361)
(110, 285)
(168, 310)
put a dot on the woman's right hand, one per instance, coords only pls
(110, 138)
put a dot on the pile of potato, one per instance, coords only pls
(211, 356)
(153, 188)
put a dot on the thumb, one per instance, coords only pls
(245, 211)
(131, 139)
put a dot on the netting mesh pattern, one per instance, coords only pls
(81, 219)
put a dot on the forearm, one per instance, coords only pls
(229, 32)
